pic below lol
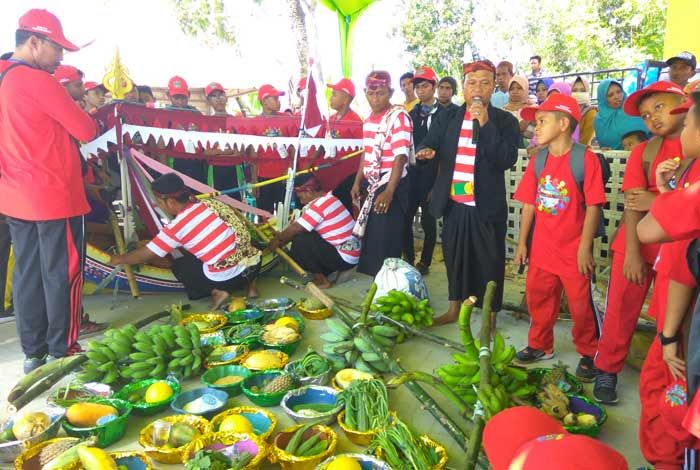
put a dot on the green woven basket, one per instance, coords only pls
(215, 373)
(287, 348)
(581, 404)
(142, 408)
(109, 433)
(263, 399)
(535, 377)
(237, 335)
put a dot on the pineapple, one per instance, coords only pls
(557, 376)
(278, 384)
(53, 450)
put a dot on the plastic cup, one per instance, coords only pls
(161, 433)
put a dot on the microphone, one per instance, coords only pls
(476, 125)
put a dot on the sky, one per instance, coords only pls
(153, 48)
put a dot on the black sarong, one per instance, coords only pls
(474, 254)
(188, 270)
(316, 255)
(384, 233)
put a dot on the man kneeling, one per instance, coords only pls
(219, 256)
(322, 239)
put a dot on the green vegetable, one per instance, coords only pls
(294, 442)
(311, 365)
(208, 460)
(318, 407)
(402, 451)
(241, 461)
(366, 405)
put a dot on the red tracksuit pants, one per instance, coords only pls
(658, 447)
(622, 308)
(544, 291)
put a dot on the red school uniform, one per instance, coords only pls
(678, 212)
(560, 211)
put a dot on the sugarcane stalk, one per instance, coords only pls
(447, 343)
(38, 374)
(416, 376)
(367, 303)
(474, 445)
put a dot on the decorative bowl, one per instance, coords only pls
(141, 407)
(317, 314)
(367, 462)
(171, 455)
(262, 420)
(132, 460)
(312, 394)
(275, 305)
(581, 404)
(427, 442)
(29, 458)
(246, 315)
(287, 348)
(292, 462)
(361, 438)
(271, 319)
(240, 442)
(108, 433)
(226, 355)
(218, 338)
(247, 334)
(277, 360)
(261, 398)
(10, 450)
(343, 377)
(212, 375)
(572, 384)
(191, 395)
(321, 379)
(77, 392)
(216, 321)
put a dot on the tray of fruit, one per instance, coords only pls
(166, 440)
(557, 375)
(28, 429)
(313, 309)
(578, 414)
(205, 322)
(105, 418)
(267, 388)
(303, 446)
(151, 396)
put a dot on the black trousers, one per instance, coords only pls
(421, 179)
(188, 270)
(47, 283)
(316, 255)
(196, 169)
(225, 177)
(5, 243)
(384, 232)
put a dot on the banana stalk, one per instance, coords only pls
(444, 342)
(417, 376)
(367, 303)
(465, 317)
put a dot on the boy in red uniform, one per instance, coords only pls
(566, 212)
(631, 270)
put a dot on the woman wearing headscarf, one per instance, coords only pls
(611, 122)
(581, 92)
(517, 100)
(541, 88)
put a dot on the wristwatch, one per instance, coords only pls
(668, 340)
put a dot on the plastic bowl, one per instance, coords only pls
(141, 407)
(108, 433)
(226, 355)
(315, 394)
(428, 442)
(581, 404)
(29, 458)
(215, 373)
(221, 440)
(186, 397)
(250, 361)
(247, 334)
(292, 462)
(287, 348)
(171, 455)
(9, 451)
(367, 462)
(264, 399)
(246, 315)
(276, 305)
(132, 460)
(262, 420)
(299, 319)
(361, 438)
(217, 320)
(321, 379)
(318, 314)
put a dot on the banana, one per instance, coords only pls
(184, 343)
(139, 356)
(181, 353)
(448, 379)
(465, 360)
(519, 375)
(383, 340)
(499, 345)
(153, 361)
(338, 327)
(333, 338)
(89, 376)
(380, 366)
(195, 336)
(110, 377)
(371, 357)
(507, 356)
(173, 363)
(107, 366)
(384, 330)
(169, 337)
(187, 371)
(158, 371)
(362, 345)
(160, 350)
(361, 365)
(97, 357)
(143, 347)
(139, 366)
(187, 361)
(197, 363)
(108, 352)
(142, 337)
(142, 374)
(119, 349)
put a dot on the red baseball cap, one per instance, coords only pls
(67, 73)
(213, 86)
(301, 85)
(178, 86)
(631, 105)
(45, 23)
(683, 108)
(268, 90)
(425, 73)
(554, 102)
(525, 438)
(345, 85)
(92, 85)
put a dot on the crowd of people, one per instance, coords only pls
(428, 153)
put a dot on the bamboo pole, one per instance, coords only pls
(279, 251)
(121, 249)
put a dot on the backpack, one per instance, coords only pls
(576, 158)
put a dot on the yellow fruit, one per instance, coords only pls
(345, 376)
(93, 458)
(157, 392)
(237, 424)
(262, 360)
(30, 425)
(237, 303)
(85, 415)
(344, 463)
(289, 322)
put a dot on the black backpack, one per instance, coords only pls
(576, 157)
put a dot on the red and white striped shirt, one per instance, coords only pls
(397, 143)
(329, 217)
(204, 234)
(462, 190)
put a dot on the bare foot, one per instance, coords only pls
(253, 290)
(321, 281)
(451, 316)
(218, 297)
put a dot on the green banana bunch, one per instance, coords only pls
(404, 307)
(105, 356)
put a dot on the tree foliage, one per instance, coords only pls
(206, 19)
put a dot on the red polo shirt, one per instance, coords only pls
(40, 176)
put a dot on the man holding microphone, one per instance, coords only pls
(476, 143)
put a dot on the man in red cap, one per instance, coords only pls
(72, 80)
(224, 174)
(94, 96)
(341, 98)
(475, 144)
(421, 176)
(217, 99)
(41, 189)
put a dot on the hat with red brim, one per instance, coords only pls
(212, 87)
(67, 73)
(556, 102)
(93, 85)
(45, 23)
(266, 91)
(345, 85)
(631, 106)
(682, 109)
(425, 73)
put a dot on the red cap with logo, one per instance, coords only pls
(92, 85)
(425, 73)
(178, 86)
(213, 86)
(268, 90)
(525, 438)
(631, 106)
(67, 73)
(46, 24)
(683, 108)
(345, 85)
(554, 102)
